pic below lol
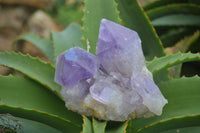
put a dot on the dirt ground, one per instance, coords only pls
(21, 16)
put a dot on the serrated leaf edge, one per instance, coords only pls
(195, 57)
(39, 60)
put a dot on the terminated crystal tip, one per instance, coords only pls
(115, 84)
(73, 66)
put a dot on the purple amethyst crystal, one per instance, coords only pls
(115, 84)
(119, 49)
(73, 66)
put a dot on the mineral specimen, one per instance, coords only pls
(113, 85)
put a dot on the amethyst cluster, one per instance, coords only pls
(113, 85)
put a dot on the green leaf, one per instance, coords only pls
(182, 110)
(95, 10)
(87, 125)
(174, 35)
(177, 20)
(134, 17)
(25, 98)
(44, 44)
(181, 46)
(119, 129)
(158, 3)
(161, 63)
(173, 9)
(68, 38)
(43, 117)
(98, 126)
(34, 68)
(67, 13)
(29, 126)
(184, 44)
(184, 130)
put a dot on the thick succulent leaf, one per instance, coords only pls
(52, 120)
(29, 126)
(134, 17)
(87, 125)
(118, 129)
(173, 9)
(184, 44)
(98, 126)
(177, 20)
(174, 35)
(34, 68)
(176, 122)
(158, 3)
(44, 44)
(26, 98)
(182, 110)
(91, 20)
(66, 39)
(181, 46)
(184, 130)
(158, 64)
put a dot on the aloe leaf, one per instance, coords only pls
(184, 130)
(44, 44)
(95, 10)
(98, 126)
(119, 129)
(25, 98)
(43, 117)
(161, 63)
(172, 36)
(66, 39)
(29, 126)
(184, 44)
(181, 46)
(134, 17)
(173, 9)
(177, 20)
(182, 110)
(158, 3)
(34, 68)
(87, 125)
(173, 123)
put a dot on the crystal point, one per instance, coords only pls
(73, 66)
(119, 48)
(149, 91)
